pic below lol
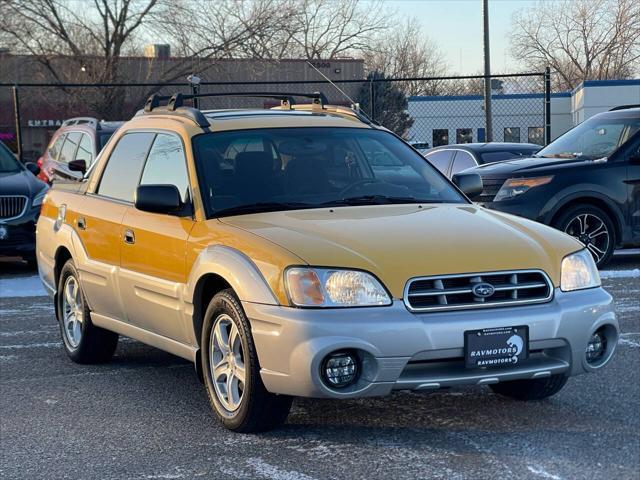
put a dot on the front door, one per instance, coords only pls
(153, 254)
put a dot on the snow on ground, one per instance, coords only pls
(21, 287)
(635, 273)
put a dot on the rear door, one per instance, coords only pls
(67, 153)
(441, 159)
(99, 222)
(462, 161)
(153, 254)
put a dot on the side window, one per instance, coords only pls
(85, 150)
(54, 149)
(69, 147)
(440, 159)
(166, 165)
(122, 173)
(462, 161)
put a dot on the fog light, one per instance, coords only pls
(596, 347)
(340, 369)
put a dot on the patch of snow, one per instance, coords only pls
(267, 470)
(630, 339)
(541, 472)
(30, 345)
(635, 273)
(21, 287)
(7, 358)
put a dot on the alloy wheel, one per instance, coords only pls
(593, 232)
(72, 311)
(226, 362)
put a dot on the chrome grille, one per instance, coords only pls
(12, 206)
(452, 292)
(490, 188)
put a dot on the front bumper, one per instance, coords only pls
(20, 234)
(400, 350)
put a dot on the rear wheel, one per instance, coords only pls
(232, 373)
(535, 389)
(82, 341)
(593, 227)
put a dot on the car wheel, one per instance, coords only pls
(593, 227)
(232, 373)
(82, 341)
(535, 389)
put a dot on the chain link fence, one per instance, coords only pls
(427, 112)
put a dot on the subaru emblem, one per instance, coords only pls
(483, 290)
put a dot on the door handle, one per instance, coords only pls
(82, 223)
(129, 237)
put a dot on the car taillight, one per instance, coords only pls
(39, 162)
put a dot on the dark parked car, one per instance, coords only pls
(74, 147)
(586, 183)
(451, 159)
(21, 195)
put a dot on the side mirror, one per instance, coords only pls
(469, 183)
(158, 198)
(33, 168)
(634, 158)
(78, 166)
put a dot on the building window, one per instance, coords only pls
(536, 135)
(464, 135)
(512, 134)
(440, 137)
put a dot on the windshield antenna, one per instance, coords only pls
(355, 105)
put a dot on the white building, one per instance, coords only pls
(517, 117)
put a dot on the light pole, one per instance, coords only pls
(487, 74)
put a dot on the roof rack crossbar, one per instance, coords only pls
(286, 99)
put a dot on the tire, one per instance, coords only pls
(250, 407)
(535, 389)
(593, 227)
(82, 341)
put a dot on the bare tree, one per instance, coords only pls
(580, 39)
(405, 53)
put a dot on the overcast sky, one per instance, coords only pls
(456, 25)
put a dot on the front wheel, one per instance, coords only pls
(593, 227)
(535, 389)
(232, 373)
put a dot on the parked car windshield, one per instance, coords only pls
(514, 153)
(8, 163)
(595, 138)
(249, 171)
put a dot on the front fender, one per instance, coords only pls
(237, 269)
(575, 192)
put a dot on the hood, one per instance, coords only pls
(20, 183)
(397, 242)
(528, 165)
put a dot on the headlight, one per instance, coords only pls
(579, 271)
(517, 186)
(38, 199)
(326, 287)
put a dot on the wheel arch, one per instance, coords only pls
(596, 201)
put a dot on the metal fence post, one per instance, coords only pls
(195, 89)
(16, 113)
(372, 96)
(547, 106)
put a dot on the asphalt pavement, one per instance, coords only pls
(146, 416)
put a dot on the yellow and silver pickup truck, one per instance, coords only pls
(306, 251)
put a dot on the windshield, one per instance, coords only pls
(8, 163)
(292, 168)
(595, 138)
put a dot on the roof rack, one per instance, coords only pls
(624, 107)
(81, 121)
(175, 102)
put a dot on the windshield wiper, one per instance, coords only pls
(377, 200)
(261, 207)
